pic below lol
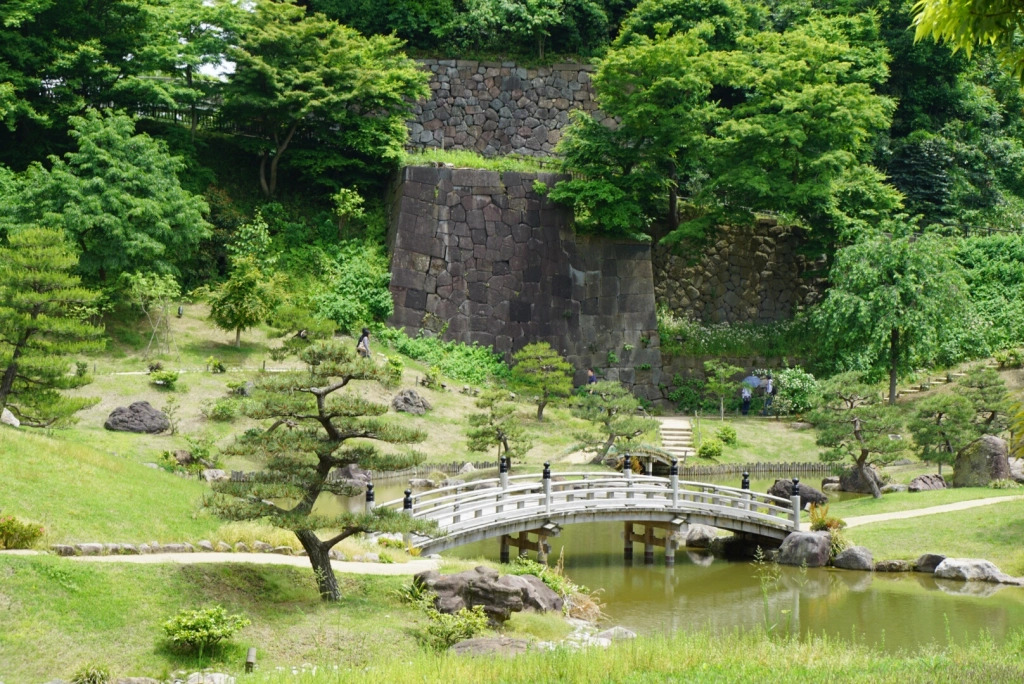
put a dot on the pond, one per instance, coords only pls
(889, 611)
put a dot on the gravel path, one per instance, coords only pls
(918, 512)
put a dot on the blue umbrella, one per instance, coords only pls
(751, 380)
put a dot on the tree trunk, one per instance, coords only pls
(540, 410)
(263, 175)
(866, 475)
(673, 201)
(238, 337)
(721, 408)
(11, 372)
(320, 559)
(894, 356)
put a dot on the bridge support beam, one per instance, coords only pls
(647, 535)
(523, 542)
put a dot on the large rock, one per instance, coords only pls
(410, 401)
(928, 562)
(972, 569)
(1017, 469)
(893, 566)
(981, 462)
(927, 483)
(809, 549)
(808, 495)
(856, 480)
(536, 595)
(699, 537)
(854, 558)
(8, 418)
(477, 587)
(487, 646)
(137, 417)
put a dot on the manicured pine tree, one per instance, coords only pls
(43, 322)
(612, 409)
(499, 425)
(541, 372)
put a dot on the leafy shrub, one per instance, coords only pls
(356, 291)
(221, 410)
(681, 336)
(1005, 483)
(463, 362)
(200, 629)
(164, 379)
(1009, 358)
(822, 521)
(688, 394)
(91, 673)
(711, 448)
(18, 534)
(727, 434)
(215, 365)
(155, 366)
(797, 391)
(446, 629)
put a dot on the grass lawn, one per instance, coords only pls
(905, 501)
(762, 440)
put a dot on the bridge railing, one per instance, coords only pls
(497, 498)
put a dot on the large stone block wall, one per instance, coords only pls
(479, 256)
(750, 274)
(498, 108)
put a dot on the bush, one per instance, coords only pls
(463, 362)
(727, 434)
(18, 534)
(200, 629)
(797, 391)
(821, 521)
(221, 410)
(446, 629)
(92, 673)
(1009, 358)
(164, 379)
(711, 448)
(1004, 484)
(215, 365)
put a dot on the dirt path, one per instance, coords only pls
(410, 568)
(856, 521)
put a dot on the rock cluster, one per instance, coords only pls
(482, 586)
(410, 401)
(498, 108)
(137, 417)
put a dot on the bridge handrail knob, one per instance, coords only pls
(796, 485)
(407, 501)
(674, 469)
(503, 465)
(627, 463)
(745, 483)
(547, 470)
(369, 492)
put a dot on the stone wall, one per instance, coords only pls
(753, 274)
(479, 256)
(498, 108)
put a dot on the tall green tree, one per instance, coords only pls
(315, 422)
(542, 373)
(297, 75)
(986, 390)
(970, 24)
(247, 298)
(941, 426)
(858, 428)
(612, 411)
(720, 382)
(118, 199)
(892, 297)
(44, 314)
(498, 426)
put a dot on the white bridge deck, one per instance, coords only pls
(511, 504)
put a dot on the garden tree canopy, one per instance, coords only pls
(967, 24)
(986, 391)
(43, 322)
(117, 197)
(542, 372)
(247, 298)
(941, 426)
(298, 75)
(892, 299)
(720, 382)
(856, 425)
(314, 429)
(498, 426)
(612, 410)
(153, 294)
(532, 20)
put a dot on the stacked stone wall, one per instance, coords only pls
(750, 274)
(479, 256)
(498, 108)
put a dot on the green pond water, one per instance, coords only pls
(890, 611)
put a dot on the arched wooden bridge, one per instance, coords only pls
(541, 504)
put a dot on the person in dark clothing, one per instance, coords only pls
(591, 376)
(745, 396)
(363, 345)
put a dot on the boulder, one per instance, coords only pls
(894, 488)
(809, 549)
(223, 547)
(89, 549)
(928, 562)
(215, 475)
(241, 547)
(246, 389)
(893, 566)
(262, 546)
(1017, 469)
(138, 417)
(209, 678)
(477, 587)
(452, 481)
(927, 483)
(63, 549)
(467, 468)
(981, 462)
(616, 633)
(829, 480)
(854, 558)
(857, 480)
(8, 418)
(410, 401)
(421, 483)
(699, 536)
(486, 646)
(206, 545)
(808, 495)
(536, 595)
(972, 569)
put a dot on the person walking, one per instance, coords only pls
(745, 396)
(769, 394)
(363, 345)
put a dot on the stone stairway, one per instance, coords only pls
(677, 437)
(928, 383)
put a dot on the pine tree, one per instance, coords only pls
(613, 411)
(314, 430)
(541, 372)
(43, 312)
(498, 426)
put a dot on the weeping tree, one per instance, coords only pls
(612, 410)
(315, 425)
(855, 424)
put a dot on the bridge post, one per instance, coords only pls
(369, 497)
(503, 472)
(546, 478)
(648, 544)
(673, 476)
(627, 546)
(503, 554)
(745, 482)
(795, 499)
(627, 470)
(407, 510)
